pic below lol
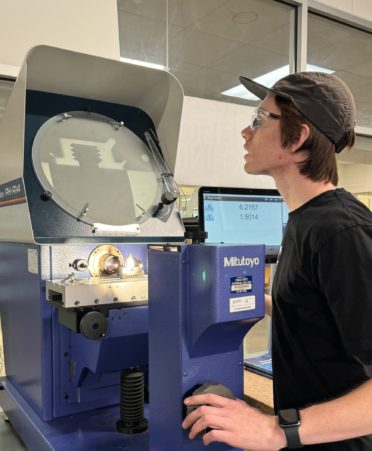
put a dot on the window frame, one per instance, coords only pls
(304, 7)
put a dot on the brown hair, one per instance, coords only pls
(321, 164)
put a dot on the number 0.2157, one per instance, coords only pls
(249, 217)
(248, 206)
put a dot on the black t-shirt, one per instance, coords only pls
(322, 306)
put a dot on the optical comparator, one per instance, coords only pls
(109, 319)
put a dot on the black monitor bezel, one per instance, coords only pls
(234, 191)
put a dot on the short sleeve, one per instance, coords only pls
(344, 270)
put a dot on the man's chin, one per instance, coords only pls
(251, 170)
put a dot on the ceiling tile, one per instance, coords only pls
(277, 41)
(209, 80)
(220, 22)
(181, 12)
(344, 55)
(152, 9)
(364, 112)
(193, 47)
(250, 62)
(352, 80)
(146, 57)
(185, 13)
(323, 33)
(362, 93)
(142, 35)
(364, 69)
(182, 70)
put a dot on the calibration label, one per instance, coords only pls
(33, 263)
(241, 284)
(242, 304)
(12, 193)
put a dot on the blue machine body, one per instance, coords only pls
(62, 389)
(39, 349)
(194, 334)
(190, 333)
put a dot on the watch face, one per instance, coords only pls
(289, 417)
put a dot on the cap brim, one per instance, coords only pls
(258, 90)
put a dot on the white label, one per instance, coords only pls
(117, 230)
(33, 265)
(246, 286)
(242, 304)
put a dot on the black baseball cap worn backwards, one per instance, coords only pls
(323, 99)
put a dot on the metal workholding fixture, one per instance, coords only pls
(132, 403)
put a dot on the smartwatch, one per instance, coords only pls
(289, 421)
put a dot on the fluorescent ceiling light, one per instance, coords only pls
(269, 80)
(142, 63)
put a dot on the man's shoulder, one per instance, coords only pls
(338, 211)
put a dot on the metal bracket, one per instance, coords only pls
(118, 125)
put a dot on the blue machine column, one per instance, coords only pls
(204, 299)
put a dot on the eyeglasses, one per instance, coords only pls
(260, 116)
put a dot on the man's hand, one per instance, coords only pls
(234, 423)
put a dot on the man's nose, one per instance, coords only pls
(247, 133)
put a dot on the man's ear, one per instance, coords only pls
(301, 138)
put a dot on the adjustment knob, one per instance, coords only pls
(209, 387)
(167, 198)
(80, 265)
(93, 325)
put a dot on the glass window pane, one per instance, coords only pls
(347, 52)
(143, 30)
(6, 87)
(211, 42)
(222, 40)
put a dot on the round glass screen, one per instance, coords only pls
(97, 169)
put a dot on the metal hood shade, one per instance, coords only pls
(66, 73)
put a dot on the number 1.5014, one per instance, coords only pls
(249, 217)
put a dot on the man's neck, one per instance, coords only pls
(297, 189)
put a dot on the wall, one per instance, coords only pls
(357, 178)
(88, 26)
(362, 8)
(210, 150)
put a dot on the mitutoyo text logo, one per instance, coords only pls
(244, 261)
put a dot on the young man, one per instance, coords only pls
(322, 293)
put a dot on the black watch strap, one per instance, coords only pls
(293, 437)
(289, 421)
